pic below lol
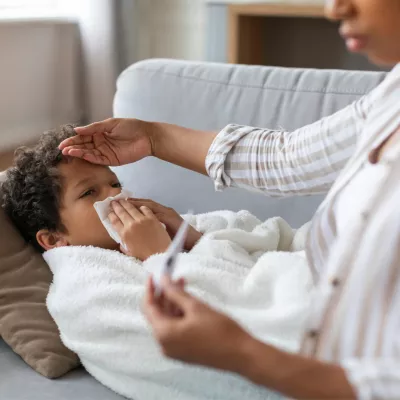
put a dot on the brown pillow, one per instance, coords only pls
(25, 323)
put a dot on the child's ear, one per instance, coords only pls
(50, 240)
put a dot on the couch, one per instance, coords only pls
(203, 96)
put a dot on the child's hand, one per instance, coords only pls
(139, 229)
(170, 218)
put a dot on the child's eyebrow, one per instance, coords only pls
(88, 180)
(82, 182)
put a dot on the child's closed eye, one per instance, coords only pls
(87, 193)
(91, 192)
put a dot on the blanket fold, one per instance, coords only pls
(243, 267)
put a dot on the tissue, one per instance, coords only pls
(103, 209)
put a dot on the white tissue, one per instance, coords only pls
(103, 209)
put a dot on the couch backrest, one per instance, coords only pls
(209, 96)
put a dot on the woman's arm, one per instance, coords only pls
(185, 147)
(276, 162)
(280, 163)
(292, 375)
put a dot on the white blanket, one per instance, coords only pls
(241, 266)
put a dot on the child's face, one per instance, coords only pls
(83, 184)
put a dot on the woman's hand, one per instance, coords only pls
(120, 141)
(171, 219)
(190, 331)
(140, 230)
(113, 142)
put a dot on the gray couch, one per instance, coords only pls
(203, 96)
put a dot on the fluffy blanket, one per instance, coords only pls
(251, 270)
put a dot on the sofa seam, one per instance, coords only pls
(276, 88)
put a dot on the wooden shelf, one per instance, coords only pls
(245, 27)
(277, 10)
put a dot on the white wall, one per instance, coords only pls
(39, 79)
(167, 29)
(96, 19)
(46, 80)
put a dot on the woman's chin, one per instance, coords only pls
(382, 61)
(357, 44)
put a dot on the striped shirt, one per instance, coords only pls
(355, 318)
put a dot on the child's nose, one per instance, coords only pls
(110, 192)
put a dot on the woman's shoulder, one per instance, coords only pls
(390, 86)
(385, 104)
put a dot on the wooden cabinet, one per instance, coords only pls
(288, 35)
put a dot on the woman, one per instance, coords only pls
(351, 348)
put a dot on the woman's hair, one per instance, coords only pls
(32, 189)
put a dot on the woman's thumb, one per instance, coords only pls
(98, 127)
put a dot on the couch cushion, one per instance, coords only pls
(25, 323)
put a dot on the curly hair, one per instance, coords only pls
(32, 189)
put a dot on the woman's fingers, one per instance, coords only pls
(78, 150)
(177, 312)
(84, 146)
(150, 291)
(81, 149)
(75, 141)
(175, 293)
(98, 127)
(92, 156)
(163, 305)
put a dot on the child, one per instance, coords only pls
(49, 197)
(242, 267)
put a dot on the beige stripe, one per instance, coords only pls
(315, 131)
(260, 184)
(229, 137)
(277, 165)
(265, 143)
(277, 159)
(244, 144)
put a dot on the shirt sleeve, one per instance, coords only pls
(280, 163)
